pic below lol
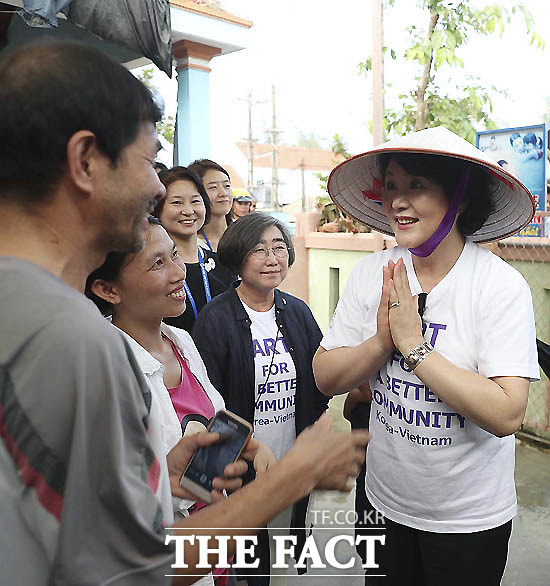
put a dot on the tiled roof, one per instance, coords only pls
(291, 157)
(236, 179)
(210, 8)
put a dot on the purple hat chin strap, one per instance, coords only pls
(448, 220)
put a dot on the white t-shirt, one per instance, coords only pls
(427, 466)
(274, 384)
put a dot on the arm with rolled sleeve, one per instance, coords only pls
(313, 339)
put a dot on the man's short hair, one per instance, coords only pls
(48, 92)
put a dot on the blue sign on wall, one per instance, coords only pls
(522, 151)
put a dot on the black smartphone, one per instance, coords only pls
(210, 461)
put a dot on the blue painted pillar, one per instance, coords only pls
(192, 137)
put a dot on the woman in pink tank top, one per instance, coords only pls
(138, 291)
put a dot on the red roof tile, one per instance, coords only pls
(291, 157)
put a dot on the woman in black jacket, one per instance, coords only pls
(258, 342)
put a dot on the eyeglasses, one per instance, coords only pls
(261, 253)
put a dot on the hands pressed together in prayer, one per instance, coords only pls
(398, 323)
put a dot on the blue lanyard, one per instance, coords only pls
(206, 240)
(206, 285)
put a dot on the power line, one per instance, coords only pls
(250, 139)
(274, 131)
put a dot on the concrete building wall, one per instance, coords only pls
(328, 274)
(537, 274)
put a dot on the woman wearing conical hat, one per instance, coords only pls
(442, 332)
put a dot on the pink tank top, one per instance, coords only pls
(189, 398)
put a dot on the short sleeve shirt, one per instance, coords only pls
(428, 467)
(77, 472)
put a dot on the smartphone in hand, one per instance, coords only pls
(210, 461)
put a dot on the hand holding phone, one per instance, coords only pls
(210, 461)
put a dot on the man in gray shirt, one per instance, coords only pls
(77, 471)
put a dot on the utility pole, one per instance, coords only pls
(250, 140)
(250, 145)
(274, 200)
(377, 73)
(302, 167)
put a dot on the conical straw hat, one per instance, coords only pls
(356, 184)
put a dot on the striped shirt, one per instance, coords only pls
(77, 471)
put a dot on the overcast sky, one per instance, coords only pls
(310, 50)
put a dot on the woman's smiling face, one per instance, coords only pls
(218, 188)
(264, 273)
(414, 205)
(184, 212)
(151, 285)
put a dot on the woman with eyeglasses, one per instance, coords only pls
(258, 342)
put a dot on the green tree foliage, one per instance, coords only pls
(309, 140)
(338, 147)
(146, 77)
(166, 126)
(449, 25)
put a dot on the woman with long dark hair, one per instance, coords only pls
(138, 291)
(217, 183)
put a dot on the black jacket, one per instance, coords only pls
(223, 337)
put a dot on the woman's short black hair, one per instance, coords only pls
(244, 234)
(183, 174)
(201, 166)
(478, 201)
(109, 271)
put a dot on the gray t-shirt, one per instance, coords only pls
(75, 461)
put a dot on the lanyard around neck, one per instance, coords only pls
(205, 283)
(205, 237)
(264, 388)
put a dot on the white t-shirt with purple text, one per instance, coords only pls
(428, 467)
(274, 384)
